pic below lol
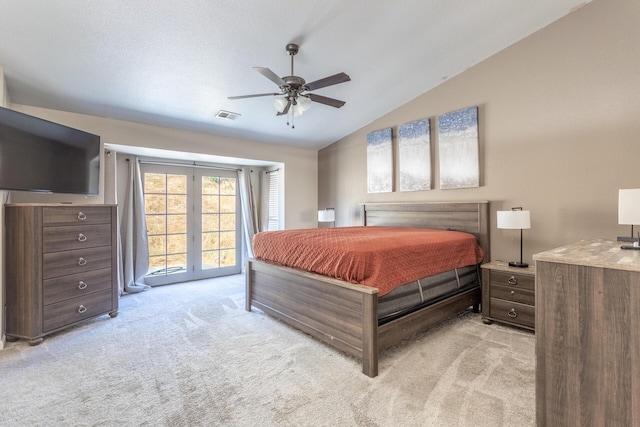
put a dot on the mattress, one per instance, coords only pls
(426, 291)
(377, 256)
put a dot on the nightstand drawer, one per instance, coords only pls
(512, 293)
(513, 312)
(513, 279)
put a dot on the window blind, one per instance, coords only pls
(273, 217)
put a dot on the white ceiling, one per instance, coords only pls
(174, 63)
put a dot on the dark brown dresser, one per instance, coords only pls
(588, 335)
(60, 263)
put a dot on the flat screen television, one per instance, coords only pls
(39, 155)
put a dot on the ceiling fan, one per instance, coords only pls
(294, 96)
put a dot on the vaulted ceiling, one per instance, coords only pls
(175, 63)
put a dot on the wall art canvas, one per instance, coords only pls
(380, 161)
(414, 156)
(458, 149)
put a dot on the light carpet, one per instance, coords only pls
(190, 355)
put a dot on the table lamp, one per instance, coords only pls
(514, 219)
(327, 215)
(629, 214)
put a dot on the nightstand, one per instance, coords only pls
(508, 294)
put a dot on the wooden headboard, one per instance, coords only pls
(471, 217)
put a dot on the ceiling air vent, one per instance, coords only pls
(227, 115)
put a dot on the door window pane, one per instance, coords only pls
(155, 203)
(177, 184)
(227, 258)
(155, 183)
(210, 241)
(228, 222)
(156, 224)
(227, 203)
(210, 259)
(157, 245)
(210, 222)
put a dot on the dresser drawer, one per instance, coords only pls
(513, 280)
(76, 237)
(76, 309)
(514, 312)
(513, 293)
(58, 264)
(75, 285)
(70, 215)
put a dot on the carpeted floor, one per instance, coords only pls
(190, 355)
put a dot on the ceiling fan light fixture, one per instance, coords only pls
(294, 99)
(280, 104)
(302, 104)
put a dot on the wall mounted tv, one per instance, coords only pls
(39, 155)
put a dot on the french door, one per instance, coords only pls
(193, 223)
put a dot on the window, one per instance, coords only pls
(273, 205)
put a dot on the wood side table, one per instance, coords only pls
(508, 294)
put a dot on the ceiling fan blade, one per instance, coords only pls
(327, 101)
(253, 96)
(285, 111)
(270, 75)
(328, 81)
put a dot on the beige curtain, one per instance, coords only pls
(249, 208)
(133, 233)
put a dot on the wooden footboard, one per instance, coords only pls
(341, 314)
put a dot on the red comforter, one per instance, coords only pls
(382, 257)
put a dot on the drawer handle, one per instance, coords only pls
(82, 261)
(513, 292)
(512, 313)
(512, 280)
(81, 216)
(82, 309)
(82, 285)
(82, 238)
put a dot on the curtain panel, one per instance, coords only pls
(133, 233)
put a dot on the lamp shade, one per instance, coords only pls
(302, 104)
(327, 215)
(629, 206)
(280, 104)
(514, 219)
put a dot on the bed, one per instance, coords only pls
(347, 315)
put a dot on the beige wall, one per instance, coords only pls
(559, 132)
(4, 102)
(300, 165)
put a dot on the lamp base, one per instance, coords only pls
(518, 264)
(630, 247)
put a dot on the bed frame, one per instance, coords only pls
(345, 315)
